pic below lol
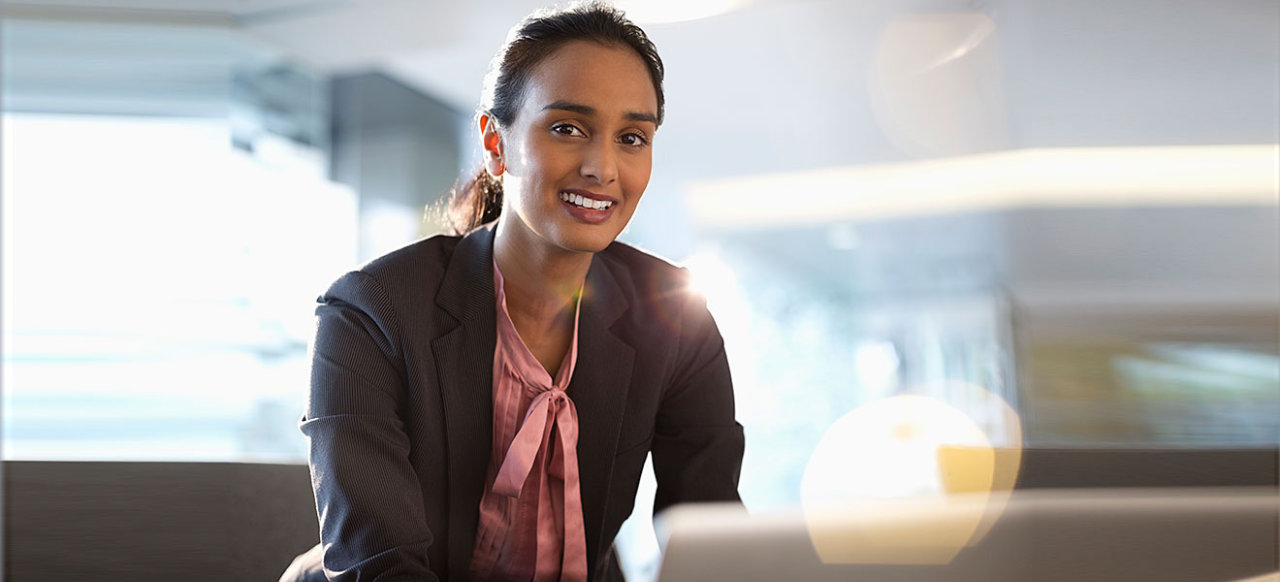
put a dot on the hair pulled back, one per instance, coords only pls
(478, 199)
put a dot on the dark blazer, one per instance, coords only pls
(401, 410)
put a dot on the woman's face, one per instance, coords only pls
(578, 156)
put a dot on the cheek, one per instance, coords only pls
(637, 179)
(547, 165)
(527, 174)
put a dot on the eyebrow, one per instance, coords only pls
(588, 110)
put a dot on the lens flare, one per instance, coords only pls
(911, 479)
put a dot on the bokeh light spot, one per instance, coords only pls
(911, 479)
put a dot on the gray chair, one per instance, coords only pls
(100, 521)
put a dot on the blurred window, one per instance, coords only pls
(1173, 379)
(158, 288)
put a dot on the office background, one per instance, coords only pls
(1072, 206)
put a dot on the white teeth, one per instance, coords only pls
(578, 200)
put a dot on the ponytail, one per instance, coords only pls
(475, 202)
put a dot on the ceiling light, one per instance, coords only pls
(665, 11)
(1060, 177)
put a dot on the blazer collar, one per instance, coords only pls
(464, 364)
(466, 292)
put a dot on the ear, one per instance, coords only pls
(492, 142)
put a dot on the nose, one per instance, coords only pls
(600, 162)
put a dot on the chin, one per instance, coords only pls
(586, 239)
(586, 244)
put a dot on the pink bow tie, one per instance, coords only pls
(550, 409)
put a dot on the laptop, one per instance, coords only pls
(1096, 535)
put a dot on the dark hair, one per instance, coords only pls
(478, 199)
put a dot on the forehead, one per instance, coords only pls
(611, 79)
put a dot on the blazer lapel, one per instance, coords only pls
(464, 364)
(601, 380)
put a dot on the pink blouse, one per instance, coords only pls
(531, 513)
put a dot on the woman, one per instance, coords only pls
(482, 405)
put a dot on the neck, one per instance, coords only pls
(540, 283)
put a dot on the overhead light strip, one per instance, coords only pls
(1071, 177)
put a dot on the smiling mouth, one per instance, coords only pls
(584, 202)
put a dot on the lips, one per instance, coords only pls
(587, 206)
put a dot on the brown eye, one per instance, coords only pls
(567, 129)
(634, 139)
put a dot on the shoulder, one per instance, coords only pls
(404, 273)
(657, 290)
(431, 255)
(666, 314)
(647, 270)
(392, 292)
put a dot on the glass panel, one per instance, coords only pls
(156, 289)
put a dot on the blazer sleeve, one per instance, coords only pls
(369, 499)
(697, 444)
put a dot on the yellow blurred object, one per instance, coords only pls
(966, 469)
(989, 472)
(970, 470)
